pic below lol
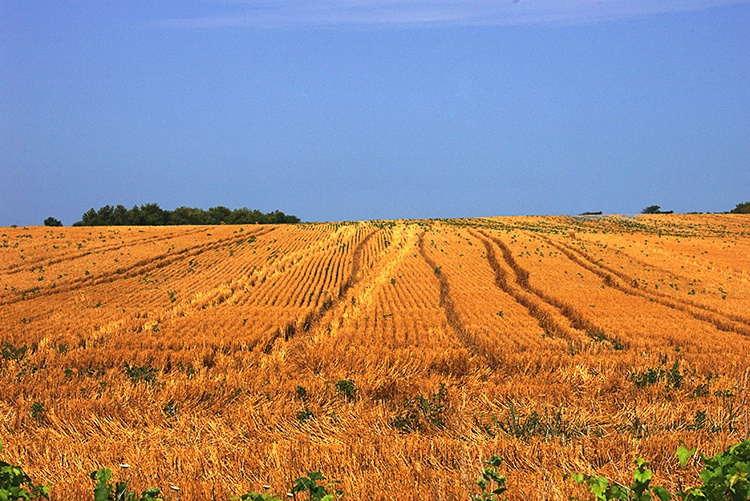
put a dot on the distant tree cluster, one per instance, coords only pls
(743, 208)
(153, 215)
(51, 221)
(655, 209)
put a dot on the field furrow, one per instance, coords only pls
(724, 321)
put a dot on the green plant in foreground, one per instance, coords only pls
(37, 411)
(420, 412)
(10, 352)
(301, 393)
(726, 476)
(348, 388)
(140, 374)
(255, 496)
(308, 484)
(640, 490)
(105, 491)
(305, 414)
(16, 485)
(316, 492)
(489, 476)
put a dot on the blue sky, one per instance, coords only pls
(374, 109)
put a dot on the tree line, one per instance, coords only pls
(743, 208)
(153, 215)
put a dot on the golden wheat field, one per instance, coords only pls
(392, 356)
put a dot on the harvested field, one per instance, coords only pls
(208, 357)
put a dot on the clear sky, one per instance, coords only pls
(374, 109)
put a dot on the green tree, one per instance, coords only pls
(120, 216)
(242, 216)
(51, 221)
(105, 215)
(640, 490)
(651, 209)
(153, 215)
(89, 218)
(188, 215)
(743, 208)
(219, 215)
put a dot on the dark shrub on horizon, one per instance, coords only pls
(153, 215)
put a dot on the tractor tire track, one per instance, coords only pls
(541, 312)
(628, 280)
(722, 321)
(18, 268)
(536, 300)
(446, 303)
(136, 269)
